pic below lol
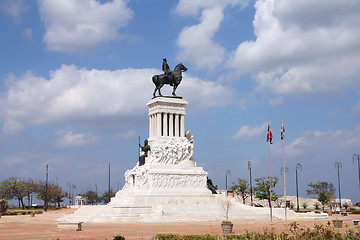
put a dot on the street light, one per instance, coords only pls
(249, 168)
(226, 174)
(338, 165)
(109, 196)
(46, 188)
(298, 166)
(357, 157)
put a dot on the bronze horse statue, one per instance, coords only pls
(172, 79)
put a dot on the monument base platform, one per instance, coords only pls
(166, 185)
(170, 206)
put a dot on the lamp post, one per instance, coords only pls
(298, 167)
(226, 174)
(109, 184)
(357, 157)
(46, 189)
(338, 165)
(251, 195)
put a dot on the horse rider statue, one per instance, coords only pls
(172, 78)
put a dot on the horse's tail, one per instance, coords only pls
(155, 79)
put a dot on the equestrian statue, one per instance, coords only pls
(173, 78)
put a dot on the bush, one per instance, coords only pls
(319, 232)
(304, 205)
(185, 237)
(354, 211)
(118, 237)
(11, 213)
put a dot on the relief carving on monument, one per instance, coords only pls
(136, 177)
(172, 151)
(162, 180)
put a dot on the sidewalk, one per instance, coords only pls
(43, 226)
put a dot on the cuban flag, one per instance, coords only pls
(269, 134)
(282, 128)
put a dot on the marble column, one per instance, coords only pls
(150, 126)
(165, 124)
(182, 125)
(158, 124)
(171, 125)
(177, 128)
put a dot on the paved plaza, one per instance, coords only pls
(43, 226)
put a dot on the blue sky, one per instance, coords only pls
(76, 77)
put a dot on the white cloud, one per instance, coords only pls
(13, 160)
(74, 95)
(336, 112)
(14, 8)
(69, 139)
(246, 132)
(313, 145)
(192, 7)
(196, 42)
(204, 94)
(302, 46)
(77, 26)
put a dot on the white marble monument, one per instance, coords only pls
(169, 186)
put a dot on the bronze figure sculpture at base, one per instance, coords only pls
(145, 150)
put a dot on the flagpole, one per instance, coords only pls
(284, 168)
(270, 175)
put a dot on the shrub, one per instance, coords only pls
(346, 205)
(319, 232)
(317, 205)
(118, 237)
(304, 205)
(355, 211)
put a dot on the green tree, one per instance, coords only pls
(30, 188)
(241, 187)
(262, 189)
(55, 193)
(14, 187)
(105, 196)
(92, 197)
(323, 190)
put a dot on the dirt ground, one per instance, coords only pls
(43, 226)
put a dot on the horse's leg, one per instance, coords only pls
(174, 89)
(155, 91)
(160, 86)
